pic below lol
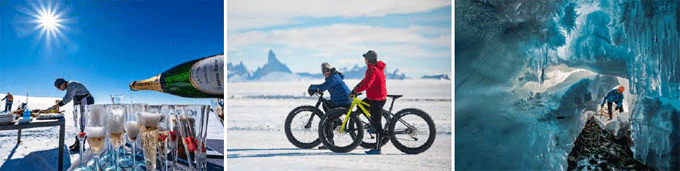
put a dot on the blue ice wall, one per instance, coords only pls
(501, 44)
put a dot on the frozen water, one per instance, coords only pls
(257, 111)
(502, 46)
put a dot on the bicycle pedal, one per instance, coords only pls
(371, 130)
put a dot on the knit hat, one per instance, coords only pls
(371, 56)
(325, 67)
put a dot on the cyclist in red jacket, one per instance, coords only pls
(376, 93)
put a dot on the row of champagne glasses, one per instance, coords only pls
(161, 129)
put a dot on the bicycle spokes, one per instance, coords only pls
(303, 128)
(340, 137)
(411, 130)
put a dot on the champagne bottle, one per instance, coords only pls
(200, 78)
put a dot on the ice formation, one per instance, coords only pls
(528, 73)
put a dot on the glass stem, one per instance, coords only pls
(174, 155)
(115, 158)
(134, 155)
(96, 163)
(80, 156)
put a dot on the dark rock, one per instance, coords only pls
(602, 150)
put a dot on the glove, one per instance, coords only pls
(353, 93)
(311, 92)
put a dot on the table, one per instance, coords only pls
(42, 123)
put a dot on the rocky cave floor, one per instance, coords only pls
(597, 149)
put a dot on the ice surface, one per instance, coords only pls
(527, 127)
(655, 131)
(270, 150)
(504, 50)
(257, 111)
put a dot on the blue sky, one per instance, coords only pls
(412, 36)
(104, 44)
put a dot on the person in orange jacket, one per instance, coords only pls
(9, 101)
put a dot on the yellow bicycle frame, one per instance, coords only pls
(355, 102)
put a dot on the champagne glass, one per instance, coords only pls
(116, 98)
(164, 136)
(95, 130)
(115, 128)
(148, 131)
(185, 130)
(132, 129)
(123, 161)
(81, 137)
(193, 124)
(173, 135)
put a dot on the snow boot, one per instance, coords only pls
(378, 144)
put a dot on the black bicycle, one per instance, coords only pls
(301, 123)
(411, 130)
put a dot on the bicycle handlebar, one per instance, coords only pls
(354, 95)
(313, 92)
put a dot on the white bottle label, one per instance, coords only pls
(207, 75)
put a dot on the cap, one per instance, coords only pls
(59, 81)
(371, 56)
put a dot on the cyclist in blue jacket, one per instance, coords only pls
(614, 96)
(335, 86)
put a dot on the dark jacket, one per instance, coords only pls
(9, 98)
(336, 87)
(615, 97)
(374, 82)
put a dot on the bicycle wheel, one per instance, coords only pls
(340, 142)
(299, 130)
(369, 140)
(412, 131)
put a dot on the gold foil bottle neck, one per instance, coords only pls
(153, 83)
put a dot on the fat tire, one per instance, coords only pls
(424, 116)
(289, 132)
(354, 120)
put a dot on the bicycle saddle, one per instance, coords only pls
(395, 97)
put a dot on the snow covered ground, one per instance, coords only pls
(256, 140)
(38, 149)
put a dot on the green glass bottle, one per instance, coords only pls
(200, 78)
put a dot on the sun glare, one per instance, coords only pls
(48, 20)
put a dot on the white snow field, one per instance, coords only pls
(256, 139)
(38, 149)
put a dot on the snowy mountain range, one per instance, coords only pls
(439, 77)
(274, 70)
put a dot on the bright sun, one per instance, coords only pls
(48, 21)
